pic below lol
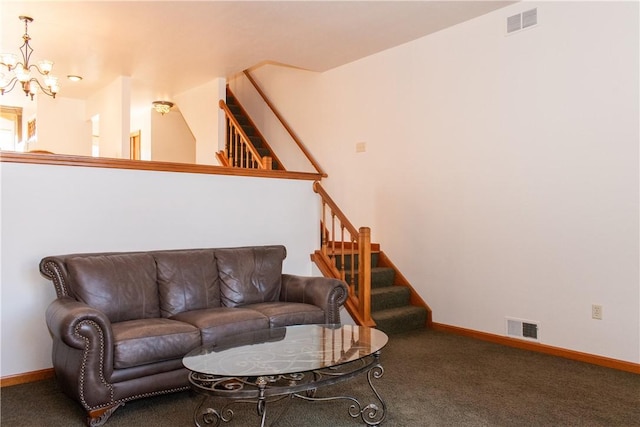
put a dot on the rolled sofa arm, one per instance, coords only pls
(324, 292)
(82, 350)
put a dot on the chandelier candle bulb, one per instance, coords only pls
(46, 66)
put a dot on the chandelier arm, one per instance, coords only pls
(44, 89)
(37, 68)
(10, 85)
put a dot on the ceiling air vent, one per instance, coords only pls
(523, 329)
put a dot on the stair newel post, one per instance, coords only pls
(268, 162)
(364, 272)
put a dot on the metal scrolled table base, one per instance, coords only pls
(269, 389)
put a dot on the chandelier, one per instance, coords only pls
(12, 71)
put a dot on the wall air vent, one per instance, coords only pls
(523, 329)
(522, 21)
(529, 18)
(514, 23)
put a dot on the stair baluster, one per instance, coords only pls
(240, 150)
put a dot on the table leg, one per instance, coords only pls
(261, 382)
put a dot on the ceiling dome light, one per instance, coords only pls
(74, 78)
(162, 107)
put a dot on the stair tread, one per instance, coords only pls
(389, 297)
(390, 289)
(401, 319)
(395, 312)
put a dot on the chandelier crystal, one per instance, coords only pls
(13, 72)
(162, 107)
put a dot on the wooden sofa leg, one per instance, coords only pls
(100, 416)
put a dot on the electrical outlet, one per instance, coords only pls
(361, 147)
(596, 311)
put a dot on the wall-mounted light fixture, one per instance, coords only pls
(162, 107)
(12, 71)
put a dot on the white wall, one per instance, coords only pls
(48, 210)
(501, 172)
(199, 106)
(55, 117)
(171, 138)
(141, 121)
(112, 103)
(62, 126)
(278, 138)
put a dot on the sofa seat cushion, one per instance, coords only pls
(215, 323)
(289, 313)
(142, 341)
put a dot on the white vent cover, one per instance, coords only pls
(529, 18)
(523, 329)
(522, 20)
(514, 23)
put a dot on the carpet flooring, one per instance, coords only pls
(430, 379)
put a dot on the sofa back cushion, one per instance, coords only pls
(250, 275)
(187, 280)
(123, 286)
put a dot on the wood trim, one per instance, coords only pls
(400, 280)
(304, 149)
(607, 362)
(27, 377)
(103, 162)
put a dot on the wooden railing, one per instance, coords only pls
(345, 253)
(286, 126)
(239, 152)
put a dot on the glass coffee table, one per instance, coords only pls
(280, 363)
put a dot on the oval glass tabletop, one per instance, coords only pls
(288, 350)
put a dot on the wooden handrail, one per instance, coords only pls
(293, 135)
(341, 248)
(243, 144)
(334, 207)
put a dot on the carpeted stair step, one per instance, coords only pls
(401, 319)
(389, 297)
(381, 277)
(256, 141)
(347, 260)
(235, 110)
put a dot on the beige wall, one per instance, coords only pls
(501, 172)
(171, 138)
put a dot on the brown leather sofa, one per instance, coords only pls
(122, 322)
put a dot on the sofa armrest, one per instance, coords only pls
(324, 292)
(84, 329)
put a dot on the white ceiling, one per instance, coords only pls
(170, 46)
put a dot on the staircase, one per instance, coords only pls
(250, 129)
(391, 300)
(378, 294)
